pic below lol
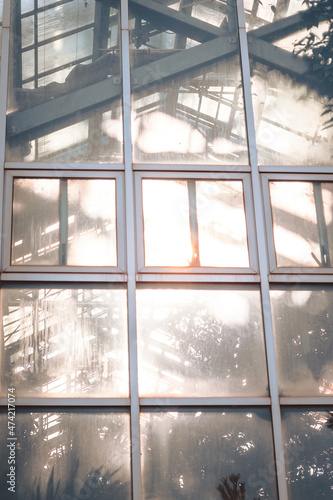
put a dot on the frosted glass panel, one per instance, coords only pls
(68, 455)
(187, 97)
(186, 454)
(200, 343)
(65, 341)
(303, 325)
(35, 229)
(66, 222)
(290, 125)
(194, 223)
(64, 82)
(308, 450)
(302, 223)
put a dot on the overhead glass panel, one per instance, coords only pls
(303, 324)
(194, 223)
(186, 83)
(302, 223)
(66, 342)
(68, 454)
(291, 64)
(308, 450)
(205, 342)
(186, 454)
(64, 222)
(65, 84)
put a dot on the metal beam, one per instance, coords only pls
(279, 29)
(97, 94)
(173, 20)
(272, 56)
(215, 47)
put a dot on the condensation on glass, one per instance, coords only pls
(66, 342)
(290, 125)
(64, 222)
(303, 324)
(308, 452)
(69, 454)
(194, 223)
(291, 91)
(65, 85)
(186, 84)
(186, 454)
(302, 223)
(200, 343)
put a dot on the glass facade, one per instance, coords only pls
(167, 248)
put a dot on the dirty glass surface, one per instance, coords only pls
(64, 83)
(290, 48)
(65, 342)
(303, 325)
(308, 452)
(191, 117)
(302, 223)
(185, 454)
(200, 343)
(64, 222)
(68, 454)
(194, 223)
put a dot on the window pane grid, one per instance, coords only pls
(190, 352)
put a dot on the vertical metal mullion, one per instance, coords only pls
(63, 222)
(3, 102)
(321, 225)
(263, 258)
(193, 216)
(130, 257)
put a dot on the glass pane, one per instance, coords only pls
(291, 69)
(67, 455)
(303, 325)
(290, 125)
(200, 343)
(308, 449)
(65, 84)
(186, 84)
(194, 223)
(302, 223)
(66, 341)
(186, 454)
(67, 221)
(261, 12)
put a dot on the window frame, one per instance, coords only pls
(279, 270)
(248, 213)
(7, 267)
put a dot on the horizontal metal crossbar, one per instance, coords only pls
(215, 45)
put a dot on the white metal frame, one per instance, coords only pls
(297, 270)
(7, 267)
(248, 206)
(130, 253)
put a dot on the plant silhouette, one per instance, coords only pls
(319, 48)
(231, 489)
(329, 421)
(98, 485)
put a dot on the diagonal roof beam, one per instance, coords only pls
(97, 94)
(277, 58)
(279, 29)
(173, 20)
(56, 112)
